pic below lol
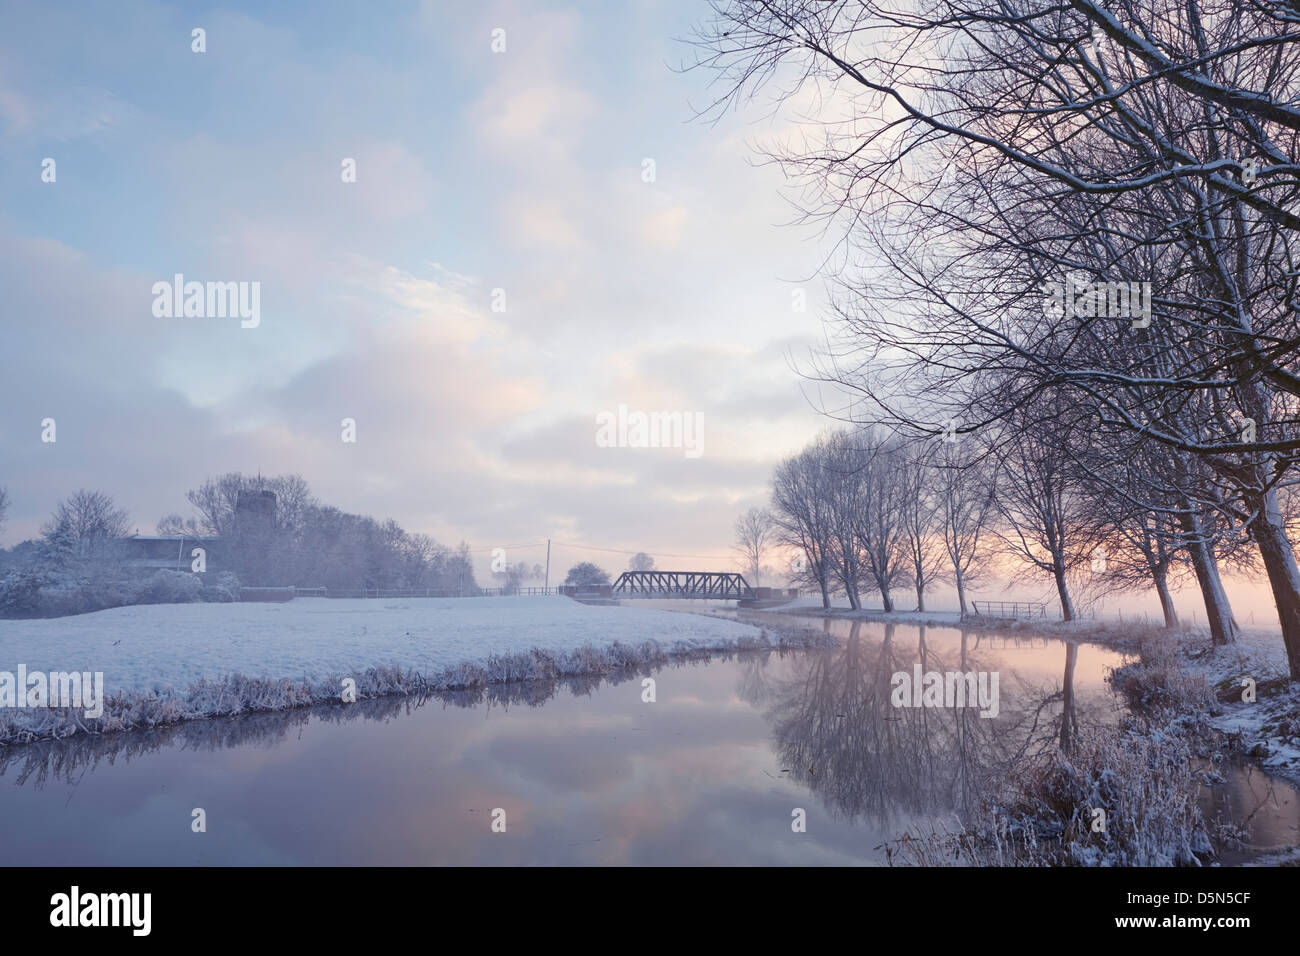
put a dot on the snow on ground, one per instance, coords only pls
(812, 604)
(1120, 634)
(161, 646)
(1269, 728)
(174, 661)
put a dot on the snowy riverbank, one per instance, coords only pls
(1115, 633)
(1183, 672)
(163, 663)
(1269, 728)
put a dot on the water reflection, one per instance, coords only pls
(837, 733)
(63, 760)
(588, 772)
(1069, 714)
(1266, 810)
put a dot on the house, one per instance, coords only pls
(146, 553)
(246, 550)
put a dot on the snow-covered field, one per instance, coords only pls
(176, 661)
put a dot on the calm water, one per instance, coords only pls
(586, 772)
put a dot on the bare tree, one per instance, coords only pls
(216, 500)
(877, 513)
(964, 486)
(1132, 551)
(920, 506)
(802, 517)
(275, 551)
(1137, 143)
(89, 520)
(641, 562)
(427, 560)
(175, 524)
(843, 463)
(755, 534)
(1039, 499)
(4, 506)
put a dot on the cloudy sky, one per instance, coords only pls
(522, 170)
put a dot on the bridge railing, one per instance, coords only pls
(702, 585)
(687, 584)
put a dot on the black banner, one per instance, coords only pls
(329, 905)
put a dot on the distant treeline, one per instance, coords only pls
(84, 559)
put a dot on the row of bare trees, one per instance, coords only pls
(1068, 233)
(865, 510)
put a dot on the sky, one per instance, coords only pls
(536, 236)
(644, 257)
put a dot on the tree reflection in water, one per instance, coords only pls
(44, 761)
(837, 733)
(832, 723)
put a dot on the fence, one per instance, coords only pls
(1009, 609)
(603, 591)
(268, 594)
(419, 592)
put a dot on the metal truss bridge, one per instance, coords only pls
(709, 585)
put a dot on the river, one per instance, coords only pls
(731, 752)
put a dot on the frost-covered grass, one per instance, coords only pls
(1145, 777)
(1269, 728)
(1185, 674)
(165, 663)
(1146, 784)
(1161, 686)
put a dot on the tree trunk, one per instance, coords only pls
(1223, 626)
(1269, 533)
(1069, 721)
(1160, 575)
(961, 593)
(1063, 590)
(920, 597)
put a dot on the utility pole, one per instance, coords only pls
(548, 566)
